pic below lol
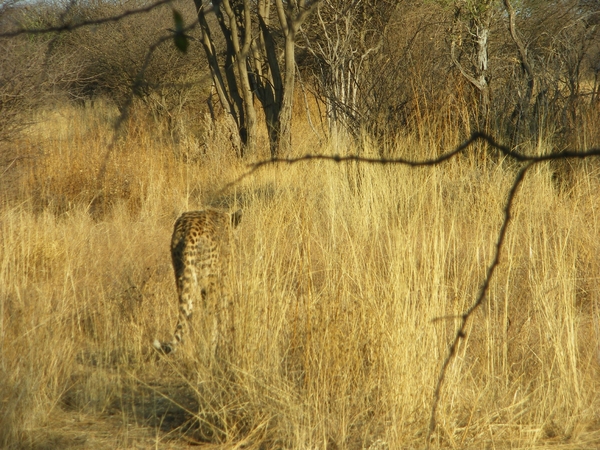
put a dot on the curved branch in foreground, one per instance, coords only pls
(475, 137)
(70, 26)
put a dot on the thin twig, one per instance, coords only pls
(70, 26)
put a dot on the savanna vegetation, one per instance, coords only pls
(349, 279)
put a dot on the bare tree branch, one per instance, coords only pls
(477, 136)
(460, 332)
(70, 26)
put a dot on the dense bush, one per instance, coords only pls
(394, 71)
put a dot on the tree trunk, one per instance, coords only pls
(480, 29)
(269, 85)
(285, 116)
(521, 111)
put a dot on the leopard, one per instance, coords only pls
(201, 256)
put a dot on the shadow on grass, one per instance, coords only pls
(112, 403)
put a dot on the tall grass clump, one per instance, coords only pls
(348, 279)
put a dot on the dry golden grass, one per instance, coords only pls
(340, 271)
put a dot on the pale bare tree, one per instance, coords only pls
(470, 36)
(345, 38)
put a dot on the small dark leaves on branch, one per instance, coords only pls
(179, 37)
